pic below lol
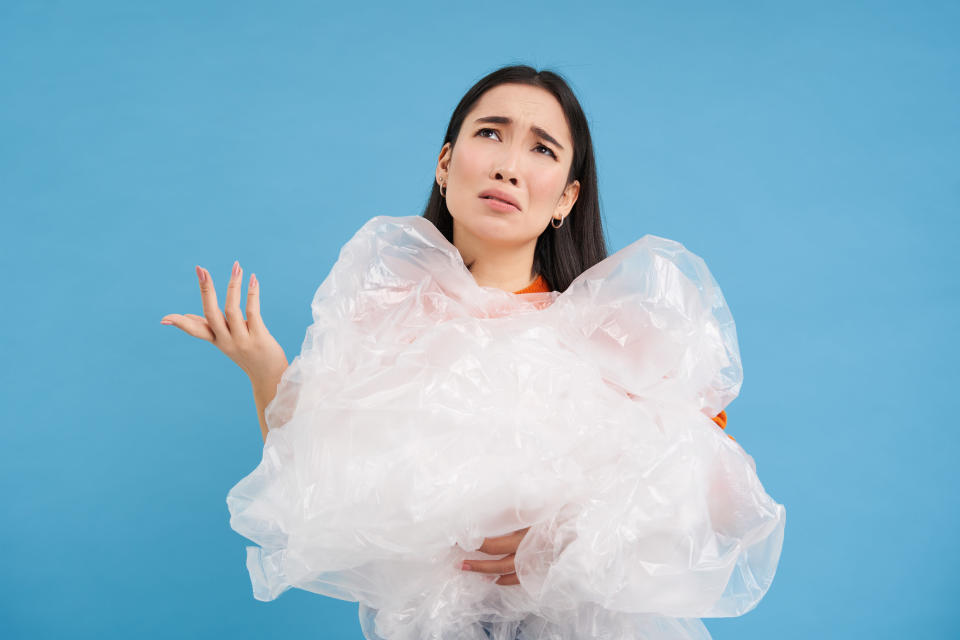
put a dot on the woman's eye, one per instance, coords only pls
(548, 149)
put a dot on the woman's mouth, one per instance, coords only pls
(497, 204)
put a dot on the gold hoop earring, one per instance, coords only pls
(556, 226)
(443, 189)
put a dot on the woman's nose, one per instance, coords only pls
(506, 166)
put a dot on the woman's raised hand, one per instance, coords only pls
(246, 342)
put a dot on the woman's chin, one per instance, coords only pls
(496, 231)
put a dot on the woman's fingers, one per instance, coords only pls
(235, 322)
(201, 320)
(503, 544)
(500, 567)
(504, 567)
(211, 310)
(254, 321)
(191, 324)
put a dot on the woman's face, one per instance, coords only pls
(525, 154)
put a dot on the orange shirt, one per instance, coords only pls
(539, 285)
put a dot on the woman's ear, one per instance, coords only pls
(568, 199)
(443, 162)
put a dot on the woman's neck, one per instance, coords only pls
(501, 267)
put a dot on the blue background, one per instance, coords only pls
(807, 151)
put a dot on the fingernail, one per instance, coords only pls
(253, 279)
(165, 322)
(201, 274)
(236, 268)
(466, 567)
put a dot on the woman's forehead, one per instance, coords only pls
(528, 105)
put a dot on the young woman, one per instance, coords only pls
(516, 195)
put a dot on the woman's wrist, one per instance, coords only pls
(269, 377)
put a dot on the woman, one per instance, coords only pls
(515, 194)
(520, 133)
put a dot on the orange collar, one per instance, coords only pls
(539, 285)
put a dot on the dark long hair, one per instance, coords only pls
(561, 254)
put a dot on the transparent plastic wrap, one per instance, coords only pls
(426, 413)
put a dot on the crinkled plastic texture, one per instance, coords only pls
(426, 413)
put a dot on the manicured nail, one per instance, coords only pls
(236, 268)
(466, 567)
(165, 322)
(253, 279)
(201, 274)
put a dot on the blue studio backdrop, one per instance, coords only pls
(808, 151)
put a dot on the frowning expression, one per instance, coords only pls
(515, 146)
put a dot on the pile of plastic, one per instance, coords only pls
(426, 413)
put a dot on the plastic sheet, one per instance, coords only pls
(426, 413)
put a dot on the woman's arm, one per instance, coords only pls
(264, 391)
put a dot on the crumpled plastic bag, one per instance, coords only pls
(426, 413)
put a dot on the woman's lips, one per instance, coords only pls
(499, 205)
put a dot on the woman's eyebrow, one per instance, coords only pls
(505, 120)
